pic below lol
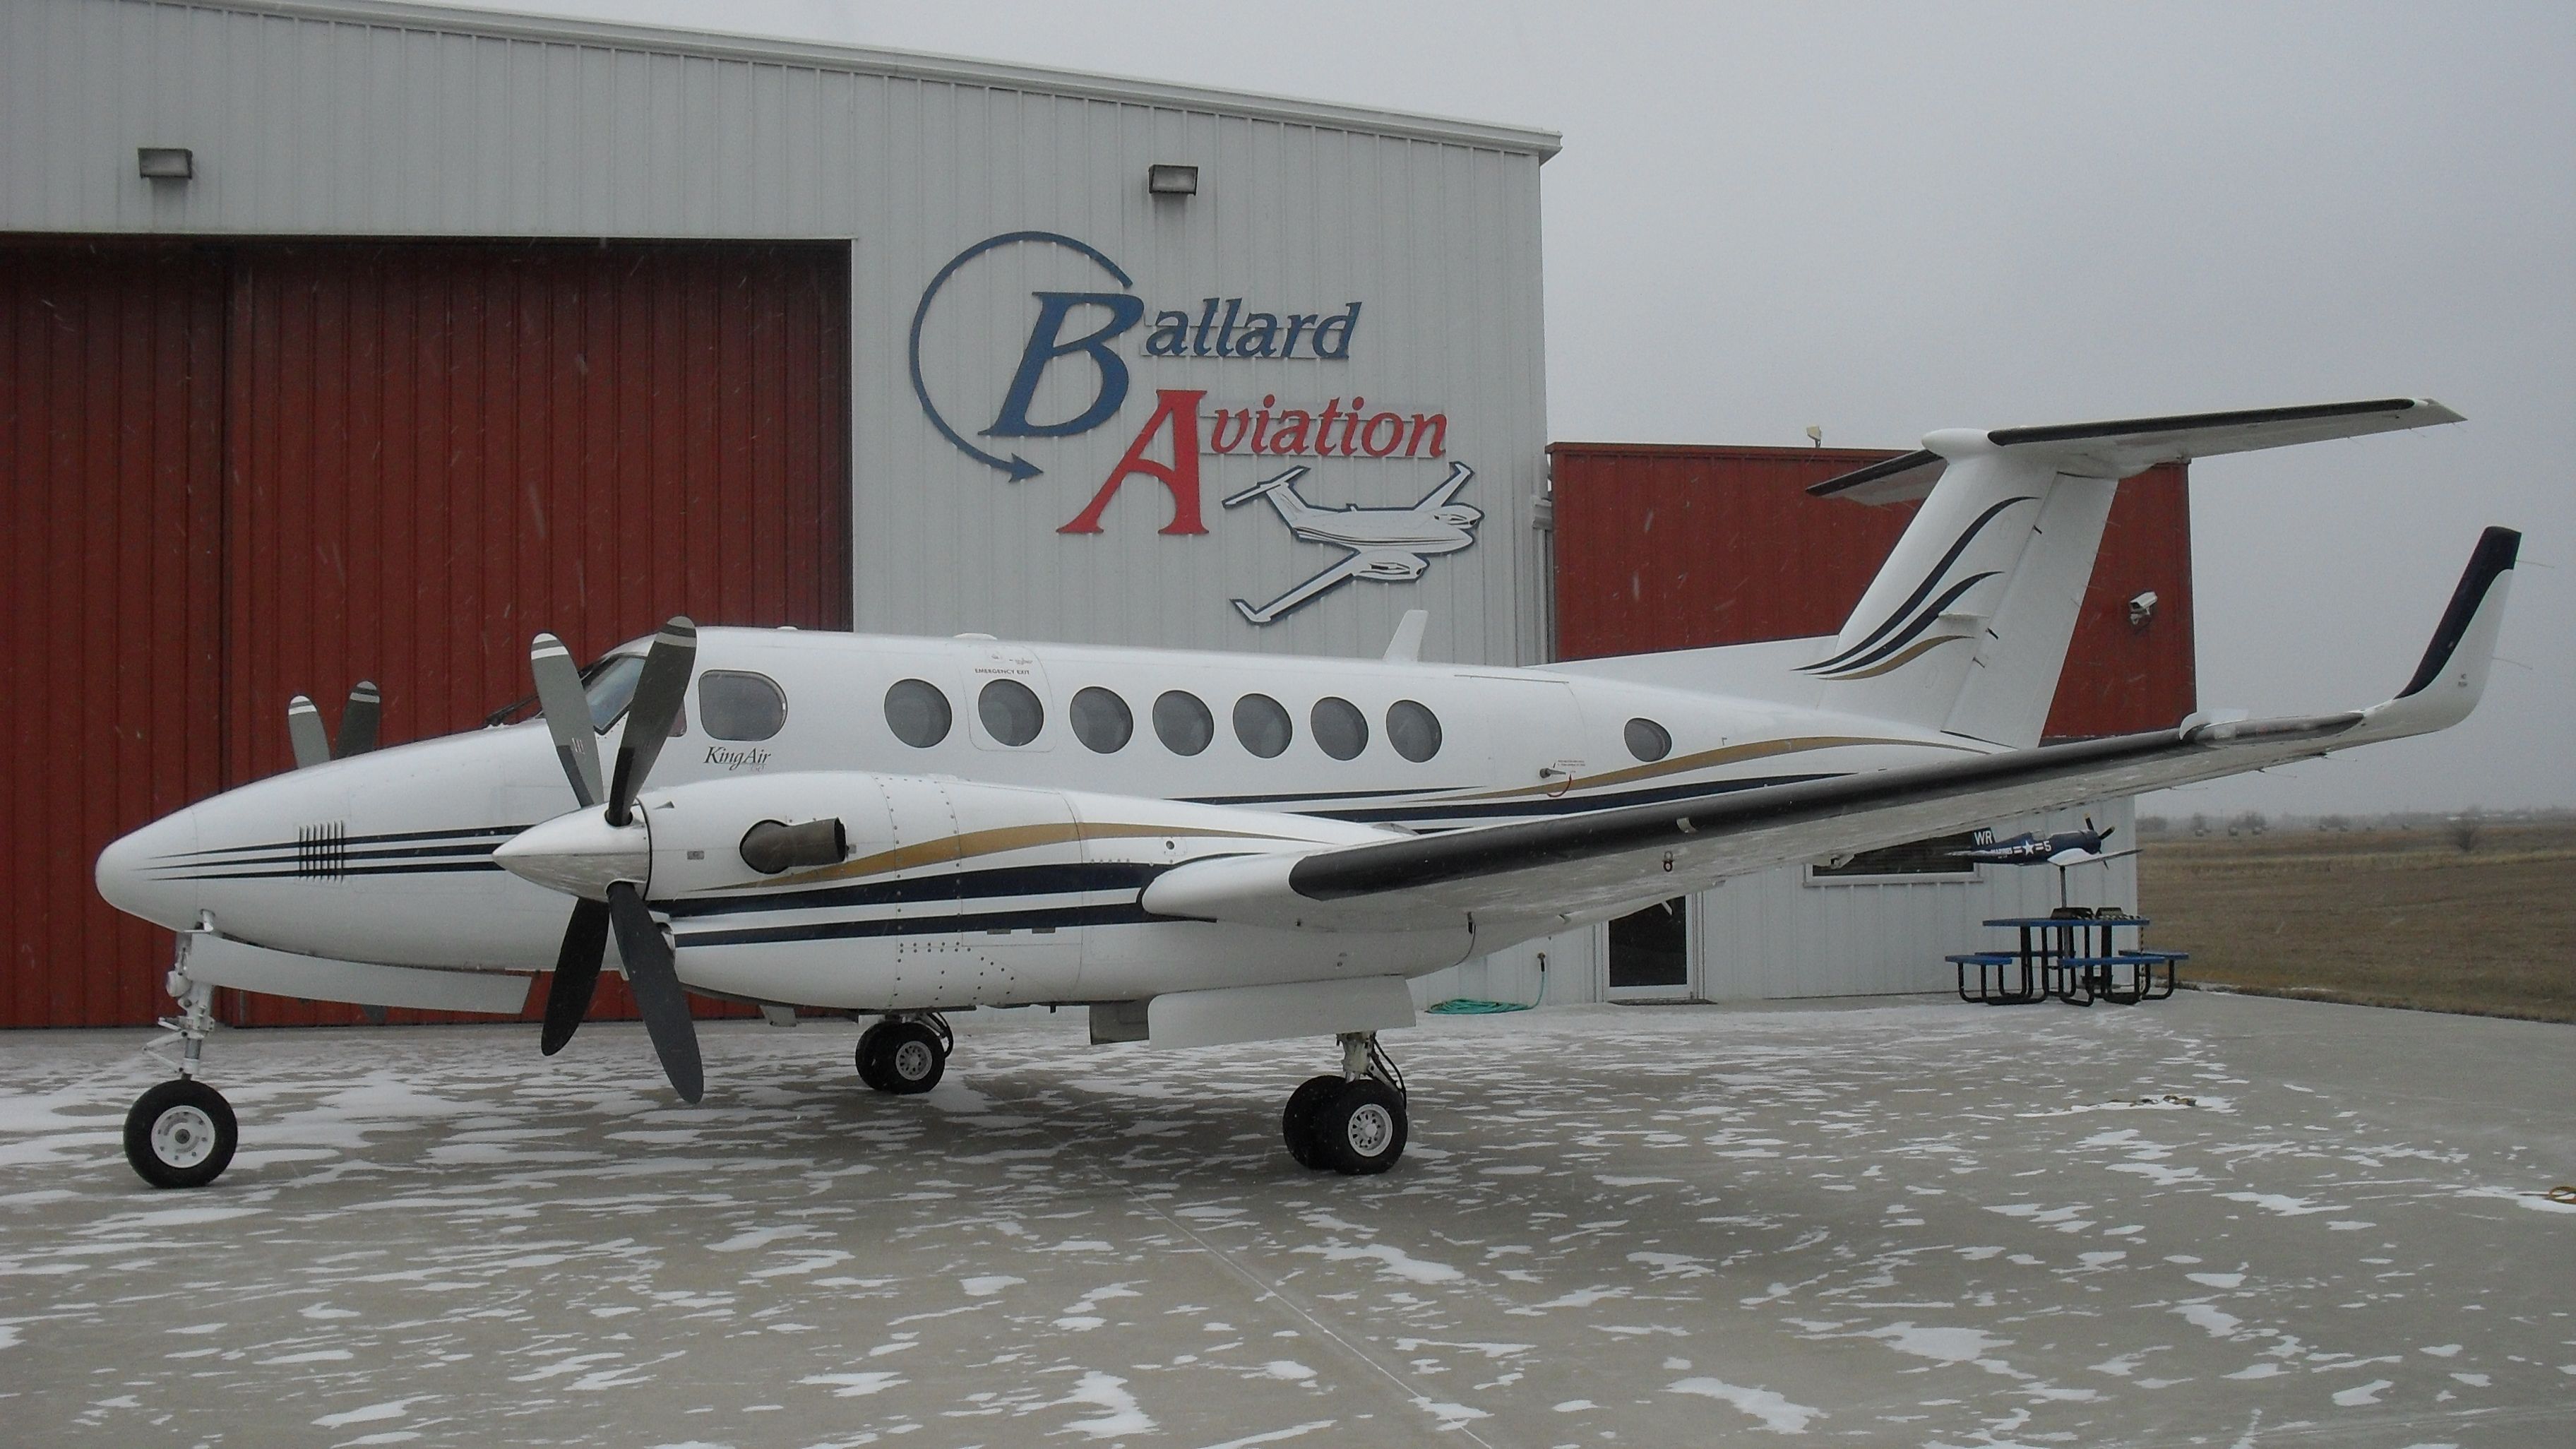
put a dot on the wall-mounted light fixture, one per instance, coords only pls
(165, 163)
(1170, 178)
(2141, 609)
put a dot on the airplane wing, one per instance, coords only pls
(1331, 574)
(1528, 878)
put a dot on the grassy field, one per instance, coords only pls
(2379, 917)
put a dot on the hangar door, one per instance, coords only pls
(238, 473)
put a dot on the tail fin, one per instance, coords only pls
(2453, 673)
(1966, 626)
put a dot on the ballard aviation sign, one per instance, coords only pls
(1078, 337)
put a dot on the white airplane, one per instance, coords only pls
(1202, 848)
(1391, 545)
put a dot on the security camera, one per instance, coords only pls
(2141, 609)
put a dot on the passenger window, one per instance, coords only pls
(1010, 711)
(1182, 722)
(1339, 727)
(1413, 729)
(1262, 725)
(1648, 740)
(738, 706)
(1101, 720)
(918, 713)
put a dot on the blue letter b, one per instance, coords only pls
(1045, 346)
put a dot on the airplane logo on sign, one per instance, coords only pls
(1392, 545)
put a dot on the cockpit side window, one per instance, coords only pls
(609, 685)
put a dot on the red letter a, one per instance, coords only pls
(1181, 475)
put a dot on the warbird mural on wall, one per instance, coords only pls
(1201, 848)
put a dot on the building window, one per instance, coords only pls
(739, 706)
(1010, 712)
(1262, 725)
(1413, 729)
(1182, 722)
(1340, 729)
(1101, 720)
(917, 713)
(1933, 859)
(1648, 740)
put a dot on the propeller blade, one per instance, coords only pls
(659, 692)
(358, 722)
(656, 980)
(567, 715)
(304, 731)
(585, 941)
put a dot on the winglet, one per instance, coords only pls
(1406, 646)
(2453, 672)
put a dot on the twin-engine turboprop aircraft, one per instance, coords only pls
(1201, 848)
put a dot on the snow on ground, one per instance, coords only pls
(2216, 1220)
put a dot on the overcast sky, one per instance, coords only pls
(1887, 219)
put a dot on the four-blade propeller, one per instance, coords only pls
(619, 906)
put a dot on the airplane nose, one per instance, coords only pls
(146, 873)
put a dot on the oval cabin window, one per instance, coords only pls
(1340, 729)
(1101, 720)
(1010, 711)
(1648, 740)
(1413, 729)
(917, 713)
(1262, 725)
(733, 705)
(1182, 722)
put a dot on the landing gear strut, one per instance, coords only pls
(1353, 1123)
(906, 1052)
(182, 1133)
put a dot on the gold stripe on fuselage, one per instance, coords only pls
(974, 843)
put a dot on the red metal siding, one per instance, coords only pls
(1682, 547)
(239, 474)
(110, 444)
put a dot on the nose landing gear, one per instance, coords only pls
(1354, 1123)
(906, 1052)
(181, 1133)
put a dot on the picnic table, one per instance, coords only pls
(2075, 958)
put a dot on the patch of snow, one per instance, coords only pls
(392, 1409)
(1391, 1260)
(1773, 1412)
(1120, 1412)
(854, 1386)
(988, 1284)
(2360, 1394)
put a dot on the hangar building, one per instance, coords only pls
(343, 339)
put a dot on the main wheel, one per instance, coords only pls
(181, 1134)
(910, 1058)
(1297, 1122)
(1360, 1129)
(869, 1042)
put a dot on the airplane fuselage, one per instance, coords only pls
(981, 871)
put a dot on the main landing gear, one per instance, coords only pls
(182, 1133)
(1353, 1123)
(906, 1052)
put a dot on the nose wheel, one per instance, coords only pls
(906, 1054)
(182, 1132)
(1355, 1123)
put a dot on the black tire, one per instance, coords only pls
(1297, 1122)
(1360, 1129)
(910, 1058)
(181, 1134)
(870, 1041)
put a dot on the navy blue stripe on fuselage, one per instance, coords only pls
(487, 833)
(335, 871)
(1495, 812)
(1019, 880)
(1126, 913)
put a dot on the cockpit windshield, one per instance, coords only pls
(609, 685)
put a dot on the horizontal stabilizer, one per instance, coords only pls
(2125, 447)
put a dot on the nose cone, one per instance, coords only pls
(580, 853)
(151, 873)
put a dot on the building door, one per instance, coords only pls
(241, 473)
(1649, 954)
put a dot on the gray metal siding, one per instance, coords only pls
(378, 120)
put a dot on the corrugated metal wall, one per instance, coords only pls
(1663, 547)
(360, 119)
(289, 467)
